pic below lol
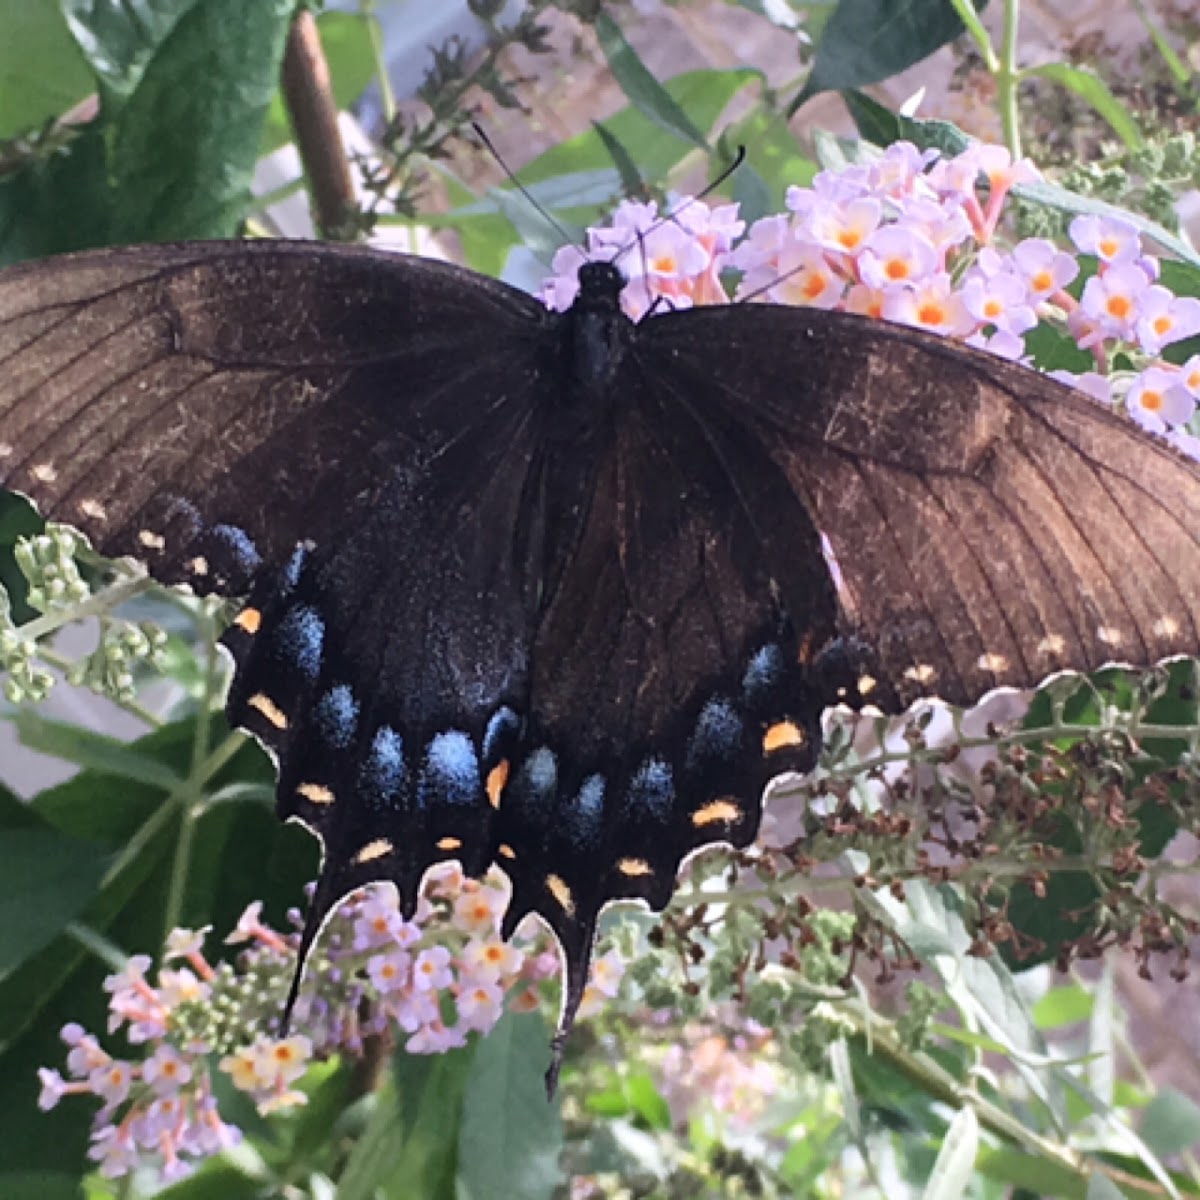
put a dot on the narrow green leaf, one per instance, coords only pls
(955, 1165)
(41, 71)
(866, 41)
(1090, 87)
(511, 1136)
(93, 750)
(46, 881)
(637, 82)
(632, 183)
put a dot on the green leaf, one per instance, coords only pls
(41, 72)
(216, 1179)
(119, 40)
(1063, 1006)
(37, 1185)
(57, 205)
(632, 183)
(86, 749)
(642, 88)
(511, 1136)
(1090, 87)
(1100, 1187)
(346, 41)
(409, 1149)
(186, 141)
(46, 881)
(1171, 1123)
(879, 125)
(955, 1165)
(866, 41)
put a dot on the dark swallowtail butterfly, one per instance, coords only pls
(548, 590)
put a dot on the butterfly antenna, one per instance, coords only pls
(534, 203)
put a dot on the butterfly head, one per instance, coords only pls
(600, 285)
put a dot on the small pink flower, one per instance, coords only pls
(806, 278)
(1189, 375)
(933, 305)
(845, 227)
(896, 255)
(1098, 386)
(944, 223)
(435, 1038)
(1113, 299)
(112, 1082)
(480, 1005)
(1164, 318)
(1044, 267)
(431, 972)
(389, 971)
(166, 1070)
(54, 1088)
(999, 300)
(1110, 239)
(490, 959)
(1155, 400)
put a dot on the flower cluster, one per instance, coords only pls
(436, 979)
(915, 238)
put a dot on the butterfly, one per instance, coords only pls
(560, 592)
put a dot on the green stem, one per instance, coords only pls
(98, 945)
(1008, 79)
(976, 28)
(387, 97)
(99, 604)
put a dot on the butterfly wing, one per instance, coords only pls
(207, 406)
(668, 676)
(989, 525)
(357, 440)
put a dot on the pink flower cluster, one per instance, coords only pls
(372, 972)
(915, 238)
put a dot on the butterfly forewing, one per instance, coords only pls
(153, 395)
(988, 524)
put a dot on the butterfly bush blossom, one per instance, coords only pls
(915, 238)
(910, 237)
(428, 982)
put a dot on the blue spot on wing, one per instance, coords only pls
(239, 545)
(584, 819)
(501, 732)
(451, 770)
(717, 736)
(383, 771)
(764, 671)
(294, 566)
(337, 716)
(651, 790)
(301, 637)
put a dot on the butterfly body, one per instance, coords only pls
(547, 590)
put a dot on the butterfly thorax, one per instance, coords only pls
(598, 331)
